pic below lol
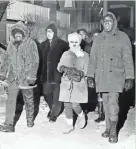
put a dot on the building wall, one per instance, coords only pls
(3, 29)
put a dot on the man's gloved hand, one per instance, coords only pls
(128, 84)
(31, 81)
(2, 77)
(5, 83)
(90, 82)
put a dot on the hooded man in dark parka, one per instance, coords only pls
(52, 50)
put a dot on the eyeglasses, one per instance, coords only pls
(49, 31)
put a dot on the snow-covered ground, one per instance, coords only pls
(46, 135)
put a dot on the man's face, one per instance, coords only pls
(18, 36)
(83, 35)
(50, 34)
(108, 24)
(74, 44)
(95, 35)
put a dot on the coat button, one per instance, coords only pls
(110, 70)
(111, 59)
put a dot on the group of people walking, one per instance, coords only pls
(68, 69)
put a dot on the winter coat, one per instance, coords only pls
(21, 61)
(2, 53)
(111, 60)
(51, 57)
(88, 47)
(83, 44)
(75, 92)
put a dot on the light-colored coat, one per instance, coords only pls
(21, 63)
(111, 61)
(75, 92)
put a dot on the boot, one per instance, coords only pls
(81, 120)
(30, 114)
(7, 128)
(52, 119)
(106, 133)
(49, 114)
(69, 127)
(100, 112)
(30, 124)
(113, 138)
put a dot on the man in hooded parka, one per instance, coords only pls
(19, 71)
(111, 64)
(52, 48)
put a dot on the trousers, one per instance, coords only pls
(51, 94)
(28, 98)
(111, 107)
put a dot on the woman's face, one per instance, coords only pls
(74, 43)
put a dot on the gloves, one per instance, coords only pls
(75, 72)
(64, 69)
(74, 78)
(5, 83)
(128, 84)
(90, 82)
(72, 73)
(2, 77)
(31, 81)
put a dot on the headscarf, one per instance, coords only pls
(76, 50)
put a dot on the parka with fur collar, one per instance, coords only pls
(20, 62)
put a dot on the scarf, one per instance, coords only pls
(77, 51)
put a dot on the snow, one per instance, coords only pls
(49, 135)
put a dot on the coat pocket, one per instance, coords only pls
(80, 92)
(65, 91)
(118, 75)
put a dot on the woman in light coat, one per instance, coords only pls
(73, 88)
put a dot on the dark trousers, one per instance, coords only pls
(20, 103)
(28, 98)
(51, 94)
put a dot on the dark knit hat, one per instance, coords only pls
(52, 27)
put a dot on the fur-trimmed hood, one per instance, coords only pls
(19, 26)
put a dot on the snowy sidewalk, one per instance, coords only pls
(49, 135)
